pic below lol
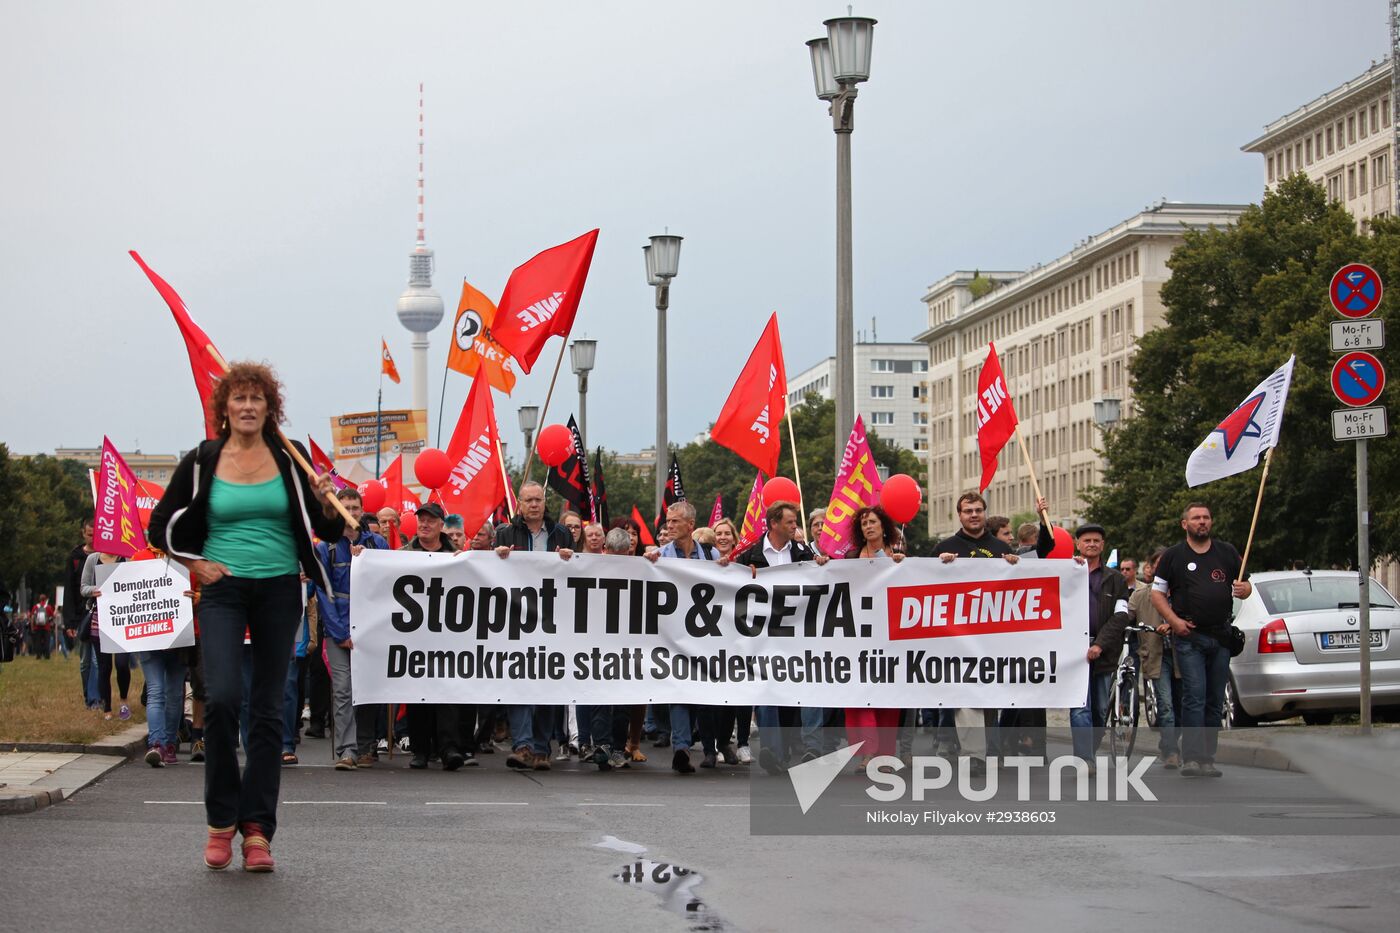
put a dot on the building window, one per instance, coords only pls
(882, 417)
(921, 443)
(1351, 130)
(1385, 111)
(882, 366)
(921, 366)
(1351, 182)
(1317, 144)
(1361, 175)
(1329, 140)
(882, 391)
(1334, 186)
(920, 417)
(1378, 171)
(1307, 152)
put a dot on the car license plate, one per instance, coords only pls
(1348, 639)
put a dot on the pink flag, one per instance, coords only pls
(755, 524)
(717, 512)
(117, 520)
(857, 485)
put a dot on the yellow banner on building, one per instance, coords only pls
(399, 432)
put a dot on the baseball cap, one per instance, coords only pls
(433, 509)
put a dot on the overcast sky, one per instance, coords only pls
(261, 157)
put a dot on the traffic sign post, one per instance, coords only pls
(1358, 379)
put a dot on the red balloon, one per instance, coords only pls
(372, 495)
(432, 468)
(1064, 543)
(555, 444)
(901, 498)
(780, 489)
(408, 524)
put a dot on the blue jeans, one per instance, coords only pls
(270, 610)
(1169, 738)
(291, 703)
(691, 722)
(1086, 723)
(530, 727)
(1205, 668)
(658, 719)
(165, 695)
(87, 669)
(770, 733)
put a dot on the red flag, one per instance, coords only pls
(717, 513)
(397, 496)
(116, 524)
(148, 496)
(206, 362)
(475, 487)
(996, 416)
(541, 298)
(323, 464)
(748, 422)
(643, 532)
(386, 364)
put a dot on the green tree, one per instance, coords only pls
(1239, 302)
(980, 285)
(42, 504)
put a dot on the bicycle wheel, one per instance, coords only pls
(1123, 711)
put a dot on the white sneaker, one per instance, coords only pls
(562, 754)
(744, 757)
(404, 745)
(383, 745)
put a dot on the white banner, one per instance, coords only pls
(600, 629)
(142, 606)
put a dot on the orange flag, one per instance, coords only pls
(387, 366)
(748, 423)
(476, 484)
(473, 348)
(206, 362)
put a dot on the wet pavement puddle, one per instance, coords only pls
(674, 885)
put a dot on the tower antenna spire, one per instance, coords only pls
(421, 241)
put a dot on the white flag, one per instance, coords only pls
(1235, 444)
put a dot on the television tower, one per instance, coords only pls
(420, 307)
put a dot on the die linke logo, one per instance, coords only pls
(147, 629)
(991, 399)
(540, 312)
(760, 424)
(948, 610)
(471, 463)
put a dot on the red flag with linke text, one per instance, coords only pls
(748, 423)
(996, 416)
(475, 487)
(541, 298)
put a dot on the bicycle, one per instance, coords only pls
(1125, 701)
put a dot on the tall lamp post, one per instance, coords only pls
(529, 420)
(663, 256)
(840, 62)
(581, 354)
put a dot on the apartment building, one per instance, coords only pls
(891, 381)
(1065, 332)
(158, 468)
(1342, 140)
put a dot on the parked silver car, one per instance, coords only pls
(1302, 651)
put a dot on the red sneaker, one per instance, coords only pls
(218, 850)
(257, 851)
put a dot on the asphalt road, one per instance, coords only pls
(484, 848)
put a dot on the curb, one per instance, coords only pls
(1239, 754)
(29, 802)
(124, 744)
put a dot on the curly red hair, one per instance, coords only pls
(243, 375)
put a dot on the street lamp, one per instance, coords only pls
(840, 62)
(529, 421)
(581, 354)
(663, 256)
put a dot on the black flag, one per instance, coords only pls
(570, 478)
(675, 489)
(600, 492)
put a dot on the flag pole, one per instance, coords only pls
(796, 473)
(442, 399)
(1030, 468)
(379, 421)
(529, 459)
(501, 459)
(1258, 501)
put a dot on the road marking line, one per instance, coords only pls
(619, 805)
(192, 803)
(476, 803)
(726, 805)
(338, 803)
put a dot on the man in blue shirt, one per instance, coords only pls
(354, 726)
(680, 522)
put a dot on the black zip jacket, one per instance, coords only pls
(516, 536)
(180, 522)
(753, 556)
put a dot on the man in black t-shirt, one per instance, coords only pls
(1194, 589)
(973, 540)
